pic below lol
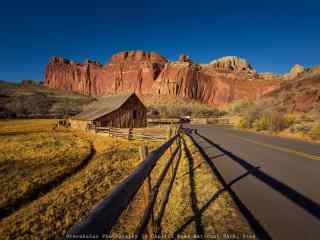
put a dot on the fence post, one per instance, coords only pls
(130, 134)
(169, 136)
(147, 192)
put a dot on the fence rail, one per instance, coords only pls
(104, 216)
(132, 133)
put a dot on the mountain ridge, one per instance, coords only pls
(217, 83)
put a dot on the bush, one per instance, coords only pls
(176, 111)
(237, 107)
(301, 127)
(290, 120)
(262, 123)
(242, 124)
(266, 121)
(250, 116)
(315, 132)
(273, 121)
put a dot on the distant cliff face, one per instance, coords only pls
(220, 82)
(68, 75)
(232, 63)
(210, 83)
(126, 71)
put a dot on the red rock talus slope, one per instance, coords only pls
(126, 71)
(301, 94)
(218, 83)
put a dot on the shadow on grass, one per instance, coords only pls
(165, 200)
(193, 195)
(43, 189)
(208, 203)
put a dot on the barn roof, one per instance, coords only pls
(103, 106)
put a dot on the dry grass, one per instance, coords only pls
(33, 156)
(193, 193)
(175, 107)
(194, 181)
(50, 216)
(14, 127)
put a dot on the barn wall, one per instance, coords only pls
(79, 124)
(124, 116)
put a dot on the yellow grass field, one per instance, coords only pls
(32, 153)
(197, 200)
(33, 156)
(49, 153)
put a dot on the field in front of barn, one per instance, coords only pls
(51, 178)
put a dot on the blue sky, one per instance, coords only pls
(272, 35)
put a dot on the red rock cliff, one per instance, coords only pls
(126, 71)
(218, 83)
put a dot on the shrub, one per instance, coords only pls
(315, 132)
(266, 120)
(301, 127)
(250, 116)
(289, 119)
(273, 121)
(237, 107)
(242, 124)
(176, 111)
(277, 122)
(262, 123)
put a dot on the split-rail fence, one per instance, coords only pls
(102, 218)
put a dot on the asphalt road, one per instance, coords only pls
(277, 186)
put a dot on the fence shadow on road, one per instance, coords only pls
(258, 229)
(302, 201)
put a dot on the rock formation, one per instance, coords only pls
(218, 83)
(314, 70)
(126, 71)
(210, 85)
(294, 72)
(269, 76)
(184, 58)
(232, 63)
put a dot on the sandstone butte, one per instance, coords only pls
(217, 83)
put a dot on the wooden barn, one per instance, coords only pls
(119, 111)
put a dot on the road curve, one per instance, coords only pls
(280, 197)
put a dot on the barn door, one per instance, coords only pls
(134, 117)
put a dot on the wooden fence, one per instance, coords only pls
(134, 133)
(217, 120)
(100, 220)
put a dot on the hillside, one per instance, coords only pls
(23, 100)
(302, 94)
(291, 110)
